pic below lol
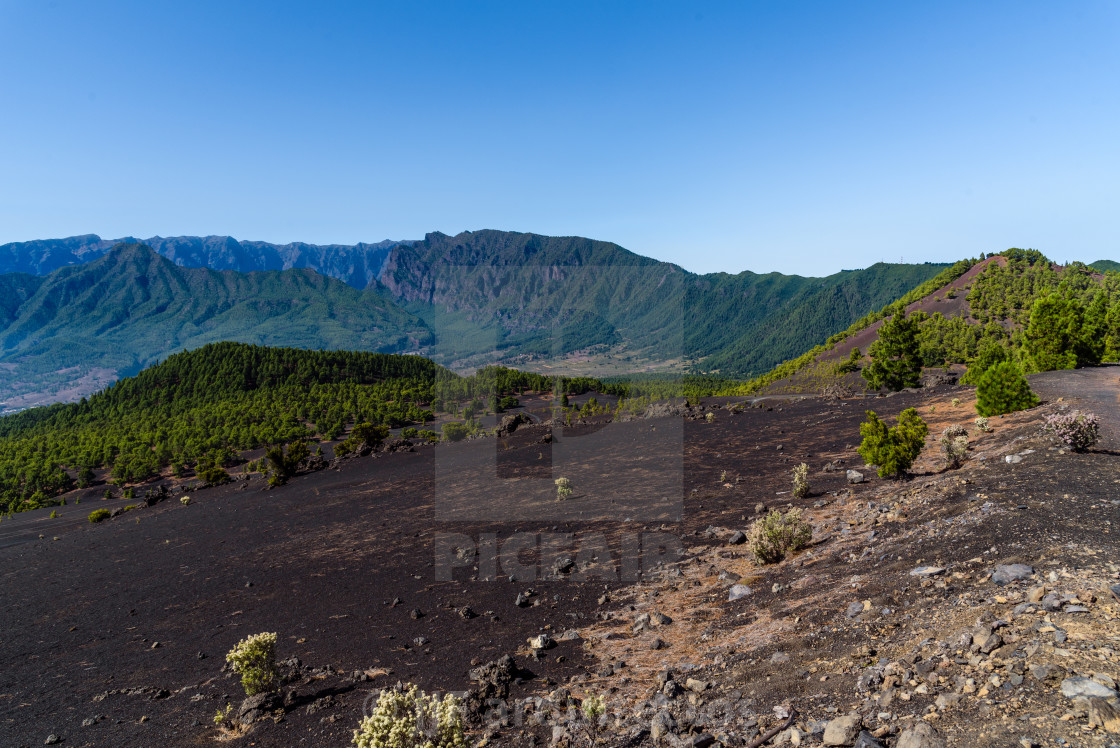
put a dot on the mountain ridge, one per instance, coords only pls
(555, 304)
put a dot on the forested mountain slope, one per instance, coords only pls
(484, 297)
(1016, 306)
(534, 295)
(132, 307)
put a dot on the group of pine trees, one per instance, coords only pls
(1032, 317)
(198, 410)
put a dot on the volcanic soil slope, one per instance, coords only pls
(971, 605)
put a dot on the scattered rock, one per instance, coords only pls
(1007, 573)
(52, 740)
(255, 707)
(703, 740)
(855, 476)
(1012, 459)
(927, 571)
(510, 422)
(854, 610)
(1073, 688)
(416, 614)
(867, 740)
(843, 730)
(563, 565)
(522, 600)
(738, 538)
(661, 725)
(921, 735)
(543, 641)
(738, 592)
(659, 619)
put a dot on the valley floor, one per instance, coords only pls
(115, 634)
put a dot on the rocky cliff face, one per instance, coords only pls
(359, 265)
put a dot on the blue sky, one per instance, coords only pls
(794, 136)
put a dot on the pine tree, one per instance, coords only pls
(1053, 334)
(892, 450)
(1091, 344)
(1112, 333)
(990, 355)
(895, 360)
(1003, 389)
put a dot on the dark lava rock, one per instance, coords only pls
(738, 538)
(399, 445)
(494, 680)
(867, 740)
(510, 423)
(313, 464)
(255, 707)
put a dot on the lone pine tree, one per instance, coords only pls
(895, 360)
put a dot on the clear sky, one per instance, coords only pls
(803, 137)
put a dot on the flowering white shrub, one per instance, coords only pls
(412, 719)
(777, 534)
(982, 424)
(801, 481)
(563, 488)
(1075, 430)
(254, 659)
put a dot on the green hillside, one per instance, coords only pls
(521, 294)
(133, 307)
(193, 413)
(1019, 307)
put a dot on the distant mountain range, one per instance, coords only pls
(356, 264)
(73, 306)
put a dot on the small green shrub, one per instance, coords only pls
(370, 434)
(954, 445)
(801, 481)
(956, 401)
(185, 500)
(982, 424)
(412, 719)
(1003, 389)
(710, 417)
(54, 514)
(212, 475)
(455, 432)
(563, 488)
(99, 515)
(223, 714)
(892, 450)
(254, 659)
(285, 465)
(852, 364)
(777, 534)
